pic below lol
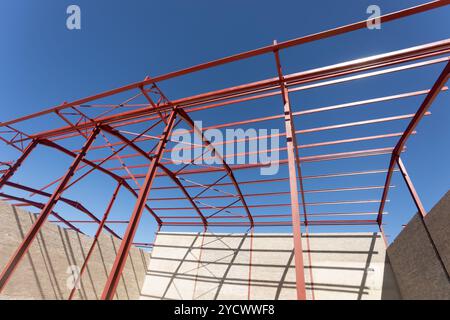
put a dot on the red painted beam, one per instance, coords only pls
(276, 223)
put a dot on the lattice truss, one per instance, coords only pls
(124, 138)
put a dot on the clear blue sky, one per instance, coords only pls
(44, 64)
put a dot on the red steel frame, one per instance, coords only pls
(157, 109)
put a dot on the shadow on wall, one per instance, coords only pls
(420, 255)
(261, 266)
(46, 271)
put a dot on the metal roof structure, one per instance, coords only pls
(135, 123)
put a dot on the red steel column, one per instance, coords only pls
(298, 251)
(46, 211)
(10, 172)
(292, 153)
(94, 242)
(122, 255)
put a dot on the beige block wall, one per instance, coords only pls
(418, 271)
(44, 273)
(218, 266)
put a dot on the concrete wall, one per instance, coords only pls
(414, 261)
(43, 273)
(218, 266)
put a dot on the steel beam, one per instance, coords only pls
(276, 223)
(271, 194)
(46, 211)
(265, 181)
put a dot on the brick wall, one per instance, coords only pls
(418, 271)
(44, 273)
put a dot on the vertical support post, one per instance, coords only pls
(285, 96)
(250, 261)
(8, 174)
(421, 212)
(292, 152)
(308, 247)
(46, 211)
(121, 258)
(94, 242)
(295, 211)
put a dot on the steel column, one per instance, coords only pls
(295, 211)
(121, 258)
(46, 211)
(286, 101)
(298, 251)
